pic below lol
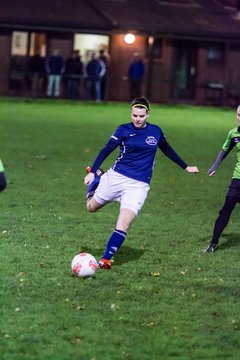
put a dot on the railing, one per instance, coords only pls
(18, 83)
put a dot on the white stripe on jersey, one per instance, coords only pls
(121, 156)
(114, 137)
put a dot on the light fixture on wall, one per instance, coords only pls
(150, 40)
(129, 39)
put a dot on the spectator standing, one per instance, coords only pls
(136, 72)
(73, 72)
(36, 71)
(105, 60)
(94, 70)
(55, 69)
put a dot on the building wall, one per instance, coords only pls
(160, 76)
(211, 76)
(121, 57)
(5, 48)
(158, 83)
(233, 77)
(157, 80)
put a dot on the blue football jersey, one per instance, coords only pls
(138, 148)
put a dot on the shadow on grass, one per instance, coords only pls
(226, 241)
(124, 255)
(231, 240)
(127, 254)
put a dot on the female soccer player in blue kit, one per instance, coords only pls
(129, 178)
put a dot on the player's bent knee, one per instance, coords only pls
(90, 208)
(92, 205)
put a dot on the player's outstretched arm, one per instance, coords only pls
(217, 162)
(192, 169)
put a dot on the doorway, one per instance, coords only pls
(89, 43)
(185, 62)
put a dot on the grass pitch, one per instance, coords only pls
(163, 298)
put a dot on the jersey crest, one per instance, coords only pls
(150, 140)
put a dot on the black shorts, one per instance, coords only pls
(234, 189)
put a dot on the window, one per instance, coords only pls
(19, 43)
(154, 47)
(37, 44)
(87, 44)
(215, 53)
(24, 45)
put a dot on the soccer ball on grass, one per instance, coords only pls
(84, 265)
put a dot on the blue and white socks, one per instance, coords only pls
(114, 243)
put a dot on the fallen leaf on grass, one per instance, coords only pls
(154, 273)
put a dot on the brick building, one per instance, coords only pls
(191, 48)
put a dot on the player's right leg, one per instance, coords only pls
(93, 205)
(221, 222)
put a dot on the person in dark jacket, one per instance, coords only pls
(136, 72)
(36, 69)
(55, 69)
(93, 80)
(105, 60)
(73, 73)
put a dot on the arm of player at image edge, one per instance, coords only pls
(192, 169)
(217, 162)
(3, 180)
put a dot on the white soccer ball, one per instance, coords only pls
(84, 265)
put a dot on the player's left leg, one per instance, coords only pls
(126, 216)
(221, 222)
(132, 200)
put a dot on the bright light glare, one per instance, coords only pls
(129, 39)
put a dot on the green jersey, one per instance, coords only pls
(1, 166)
(233, 139)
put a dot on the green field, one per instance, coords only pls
(164, 298)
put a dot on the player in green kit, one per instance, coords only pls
(3, 182)
(233, 194)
